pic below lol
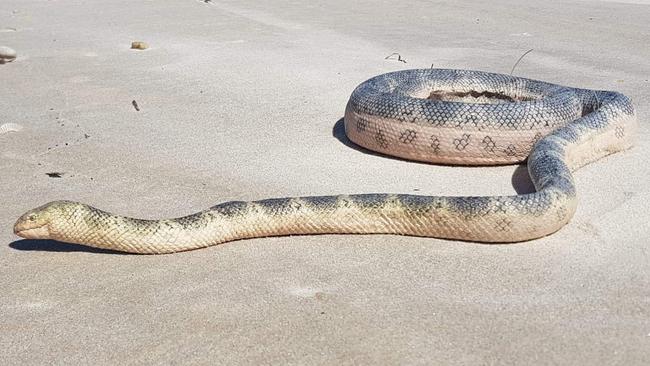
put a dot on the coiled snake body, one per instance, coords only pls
(432, 115)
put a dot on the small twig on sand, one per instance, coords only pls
(399, 57)
(520, 57)
(135, 105)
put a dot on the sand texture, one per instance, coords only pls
(243, 100)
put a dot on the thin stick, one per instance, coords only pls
(517, 63)
(399, 57)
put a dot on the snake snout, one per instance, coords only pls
(32, 225)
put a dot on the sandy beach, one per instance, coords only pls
(244, 100)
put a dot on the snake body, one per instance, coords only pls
(433, 115)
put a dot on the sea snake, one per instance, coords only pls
(432, 115)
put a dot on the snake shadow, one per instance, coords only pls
(29, 245)
(520, 179)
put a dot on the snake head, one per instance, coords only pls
(35, 224)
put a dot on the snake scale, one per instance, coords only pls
(432, 115)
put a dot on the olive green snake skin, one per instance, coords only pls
(432, 115)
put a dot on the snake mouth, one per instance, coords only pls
(39, 232)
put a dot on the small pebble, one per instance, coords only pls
(137, 45)
(7, 54)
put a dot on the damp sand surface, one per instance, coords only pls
(243, 100)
